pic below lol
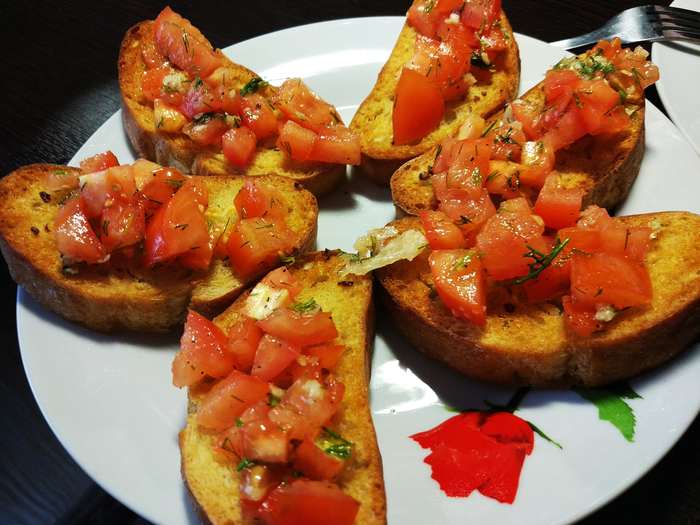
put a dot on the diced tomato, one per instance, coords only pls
(459, 281)
(469, 214)
(314, 463)
(553, 282)
(594, 98)
(99, 162)
(538, 160)
(167, 118)
(257, 244)
(296, 140)
(256, 482)
(199, 256)
(152, 82)
(444, 63)
(183, 45)
(282, 278)
(239, 146)
(306, 502)
(558, 206)
(579, 319)
(258, 116)
(328, 355)
(150, 55)
(184, 226)
(558, 82)
(123, 223)
(468, 167)
(263, 441)
(507, 143)
(300, 329)
(222, 82)
(505, 239)
(243, 340)
(203, 350)
(298, 103)
(75, 238)
(154, 246)
(603, 278)
(200, 99)
(505, 183)
(586, 241)
(480, 13)
(207, 130)
(161, 186)
(418, 107)
(229, 398)
(336, 145)
(61, 179)
(256, 200)
(614, 121)
(441, 232)
(272, 356)
(567, 130)
(528, 115)
(425, 16)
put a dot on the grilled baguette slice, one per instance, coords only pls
(528, 343)
(373, 119)
(604, 166)
(177, 149)
(125, 296)
(214, 485)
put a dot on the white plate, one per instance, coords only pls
(679, 65)
(109, 399)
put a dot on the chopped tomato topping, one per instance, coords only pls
(99, 162)
(538, 160)
(299, 328)
(61, 179)
(558, 206)
(123, 223)
(328, 355)
(229, 398)
(336, 145)
(298, 103)
(305, 502)
(480, 13)
(444, 63)
(256, 244)
(184, 226)
(258, 116)
(154, 248)
(75, 237)
(426, 16)
(263, 441)
(580, 319)
(239, 145)
(202, 352)
(412, 121)
(459, 282)
(296, 140)
(257, 200)
(441, 232)
(243, 340)
(272, 356)
(315, 463)
(160, 186)
(207, 130)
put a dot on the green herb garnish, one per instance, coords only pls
(334, 444)
(252, 86)
(244, 464)
(304, 307)
(541, 261)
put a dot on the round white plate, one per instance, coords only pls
(110, 402)
(679, 65)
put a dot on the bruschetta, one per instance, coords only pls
(187, 105)
(585, 121)
(452, 60)
(132, 247)
(278, 428)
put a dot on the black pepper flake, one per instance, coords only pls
(46, 228)
(35, 230)
(298, 186)
(508, 307)
(345, 283)
(424, 175)
(45, 196)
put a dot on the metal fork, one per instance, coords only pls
(647, 23)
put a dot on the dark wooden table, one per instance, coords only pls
(59, 84)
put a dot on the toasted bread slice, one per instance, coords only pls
(214, 485)
(373, 119)
(528, 343)
(603, 166)
(177, 149)
(125, 296)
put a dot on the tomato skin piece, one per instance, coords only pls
(300, 329)
(296, 140)
(239, 146)
(461, 286)
(257, 244)
(559, 207)
(203, 346)
(336, 145)
(258, 116)
(243, 340)
(99, 162)
(74, 236)
(229, 398)
(315, 463)
(441, 232)
(272, 357)
(418, 107)
(307, 502)
(603, 278)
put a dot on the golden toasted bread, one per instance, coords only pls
(373, 119)
(177, 149)
(214, 484)
(525, 343)
(125, 296)
(604, 166)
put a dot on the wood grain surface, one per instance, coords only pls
(59, 85)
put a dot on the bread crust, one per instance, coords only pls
(176, 149)
(528, 344)
(373, 119)
(214, 485)
(124, 296)
(604, 166)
